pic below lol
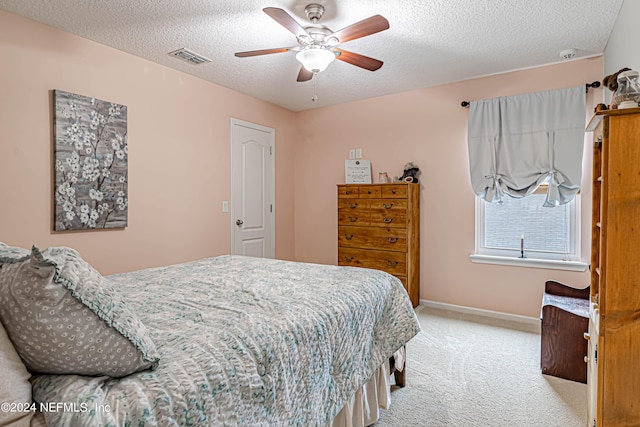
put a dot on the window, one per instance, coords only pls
(549, 233)
(515, 144)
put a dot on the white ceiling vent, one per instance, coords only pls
(189, 56)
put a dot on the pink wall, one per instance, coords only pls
(429, 127)
(179, 163)
(178, 129)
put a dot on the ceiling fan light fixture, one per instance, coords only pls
(317, 43)
(315, 58)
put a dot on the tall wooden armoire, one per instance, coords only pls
(614, 322)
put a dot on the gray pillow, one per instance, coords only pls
(65, 318)
(10, 254)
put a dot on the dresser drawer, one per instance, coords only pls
(370, 192)
(392, 262)
(353, 211)
(393, 191)
(388, 204)
(354, 204)
(357, 216)
(347, 191)
(373, 237)
(395, 218)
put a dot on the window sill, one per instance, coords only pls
(530, 262)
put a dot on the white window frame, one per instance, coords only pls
(552, 260)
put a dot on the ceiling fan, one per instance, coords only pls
(317, 43)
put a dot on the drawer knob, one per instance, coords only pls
(392, 263)
(387, 220)
(393, 239)
(347, 192)
(368, 191)
(353, 218)
(352, 206)
(393, 191)
(348, 237)
(387, 207)
(348, 258)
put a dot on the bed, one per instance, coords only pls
(229, 341)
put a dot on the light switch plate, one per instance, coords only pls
(358, 153)
(352, 154)
(225, 206)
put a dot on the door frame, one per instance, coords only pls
(271, 183)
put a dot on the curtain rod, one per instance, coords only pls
(586, 87)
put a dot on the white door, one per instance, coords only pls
(252, 190)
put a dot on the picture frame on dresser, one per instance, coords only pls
(357, 171)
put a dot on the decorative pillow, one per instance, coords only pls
(15, 388)
(65, 318)
(10, 254)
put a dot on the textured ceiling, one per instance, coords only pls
(427, 44)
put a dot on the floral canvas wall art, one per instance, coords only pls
(91, 163)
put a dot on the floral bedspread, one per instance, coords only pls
(243, 342)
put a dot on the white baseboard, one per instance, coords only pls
(531, 321)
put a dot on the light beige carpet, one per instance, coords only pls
(471, 371)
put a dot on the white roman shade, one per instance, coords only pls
(518, 142)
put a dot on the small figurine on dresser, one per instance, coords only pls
(625, 87)
(411, 172)
(611, 83)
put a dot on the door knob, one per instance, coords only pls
(239, 222)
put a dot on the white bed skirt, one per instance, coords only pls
(364, 407)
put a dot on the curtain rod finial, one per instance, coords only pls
(594, 85)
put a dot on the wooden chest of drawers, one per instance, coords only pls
(379, 227)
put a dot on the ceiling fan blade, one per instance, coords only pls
(304, 75)
(363, 28)
(358, 60)
(262, 52)
(284, 19)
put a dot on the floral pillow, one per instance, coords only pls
(65, 318)
(10, 254)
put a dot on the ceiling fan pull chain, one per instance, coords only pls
(314, 98)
